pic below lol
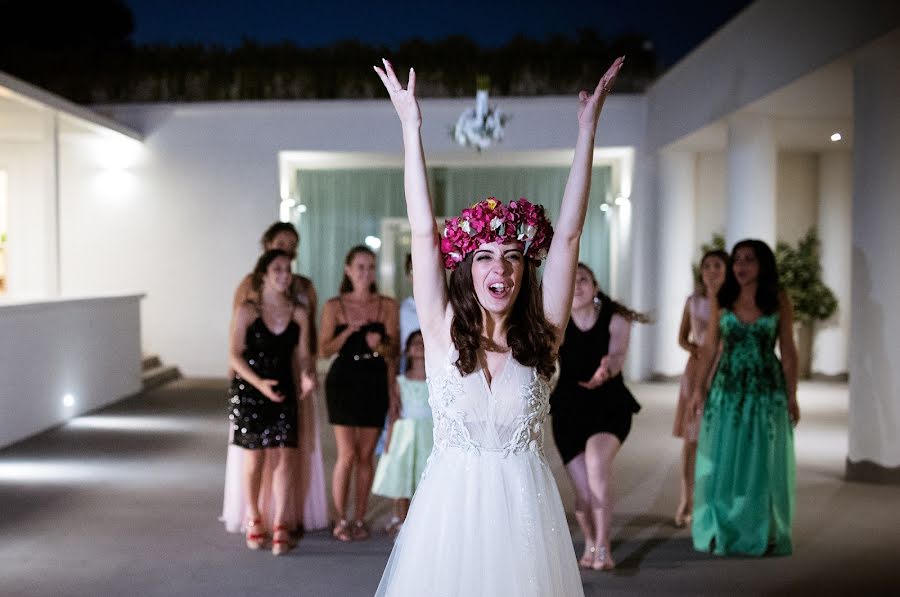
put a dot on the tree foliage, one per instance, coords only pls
(84, 51)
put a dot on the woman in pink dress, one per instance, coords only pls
(694, 322)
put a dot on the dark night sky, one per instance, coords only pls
(674, 27)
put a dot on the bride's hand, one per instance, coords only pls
(404, 100)
(589, 105)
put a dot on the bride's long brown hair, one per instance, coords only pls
(530, 337)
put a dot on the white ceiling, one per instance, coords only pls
(806, 113)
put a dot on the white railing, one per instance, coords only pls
(62, 357)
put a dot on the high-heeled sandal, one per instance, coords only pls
(602, 559)
(360, 530)
(281, 540)
(393, 527)
(256, 534)
(341, 531)
(587, 560)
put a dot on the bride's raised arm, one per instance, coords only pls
(429, 285)
(562, 257)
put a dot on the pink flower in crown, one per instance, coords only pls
(490, 221)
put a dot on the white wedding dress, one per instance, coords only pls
(486, 519)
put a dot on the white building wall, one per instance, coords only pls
(797, 195)
(710, 207)
(207, 185)
(836, 231)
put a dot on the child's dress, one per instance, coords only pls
(412, 438)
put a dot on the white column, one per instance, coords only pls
(642, 254)
(752, 159)
(677, 190)
(874, 441)
(836, 234)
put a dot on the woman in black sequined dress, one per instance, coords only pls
(362, 328)
(269, 354)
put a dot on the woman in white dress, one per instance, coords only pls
(487, 519)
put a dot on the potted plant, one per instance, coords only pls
(800, 271)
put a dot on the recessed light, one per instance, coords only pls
(68, 400)
(836, 137)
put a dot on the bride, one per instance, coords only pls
(487, 519)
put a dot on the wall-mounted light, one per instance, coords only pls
(604, 207)
(622, 200)
(68, 400)
(836, 137)
(373, 242)
(301, 209)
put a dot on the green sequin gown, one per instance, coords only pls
(744, 477)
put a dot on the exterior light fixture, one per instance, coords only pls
(836, 137)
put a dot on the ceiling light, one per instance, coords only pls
(835, 136)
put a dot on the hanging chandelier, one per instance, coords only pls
(481, 126)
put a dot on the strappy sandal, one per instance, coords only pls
(360, 530)
(393, 527)
(256, 534)
(341, 531)
(282, 541)
(587, 560)
(602, 560)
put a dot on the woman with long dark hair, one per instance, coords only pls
(745, 471)
(270, 356)
(308, 507)
(362, 328)
(691, 335)
(487, 518)
(592, 408)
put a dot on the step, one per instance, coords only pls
(150, 361)
(158, 376)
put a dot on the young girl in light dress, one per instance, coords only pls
(410, 438)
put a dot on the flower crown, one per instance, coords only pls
(490, 221)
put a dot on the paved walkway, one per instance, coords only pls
(124, 502)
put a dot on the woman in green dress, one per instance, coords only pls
(744, 476)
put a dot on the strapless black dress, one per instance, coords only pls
(356, 388)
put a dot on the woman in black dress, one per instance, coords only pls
(362, 327)
(592, 408)
(269, 355)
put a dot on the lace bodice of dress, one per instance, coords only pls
(507, 417)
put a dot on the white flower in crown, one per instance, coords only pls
(465, 227)
(496, 223)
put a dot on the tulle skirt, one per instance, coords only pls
(307, 504)
(482, 524)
